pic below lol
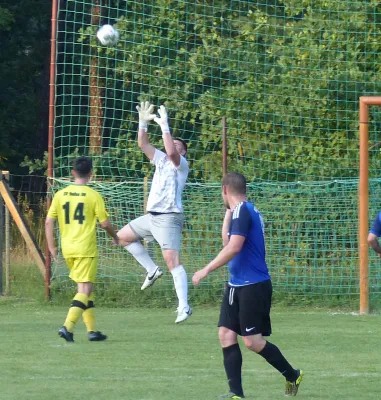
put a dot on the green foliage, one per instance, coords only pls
(38, 166)
(286, 74)
(24, 85)
(6, 19)
(2, 161)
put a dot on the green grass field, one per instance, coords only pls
(148, 357)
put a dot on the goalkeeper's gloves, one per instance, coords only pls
(145, 114)
(162, 120)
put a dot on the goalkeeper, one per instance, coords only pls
(164, 219)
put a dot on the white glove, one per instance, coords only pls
(163, 119)
(145, 114)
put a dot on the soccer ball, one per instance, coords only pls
(108, 35)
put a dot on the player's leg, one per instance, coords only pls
(89, 320)
(180, 281)
(77, 268)
(88, 314)
(229, 328)
(130, 237)
(276, 359)
(255, 323)
(271, 354)
(167, 229)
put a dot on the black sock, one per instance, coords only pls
(233, 368)
(274, 357)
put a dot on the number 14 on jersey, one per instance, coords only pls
(78, 213)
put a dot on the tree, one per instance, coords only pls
(24, 80)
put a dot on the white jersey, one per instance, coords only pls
(167, 184)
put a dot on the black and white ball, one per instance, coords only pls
(108, 35)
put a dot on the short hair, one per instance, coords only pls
(83, 166)
(183, 142)
(236, 182)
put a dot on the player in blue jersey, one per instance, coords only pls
(245, 309)
(374, 234)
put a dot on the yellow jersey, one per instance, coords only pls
(78, 207)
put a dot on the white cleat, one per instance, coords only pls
(151, 279)
(183, 314)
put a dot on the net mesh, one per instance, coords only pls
(21, 277)
(287, 76)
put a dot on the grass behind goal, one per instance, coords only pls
(148, 357)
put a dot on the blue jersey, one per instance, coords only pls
(249, 265)
(376, 227)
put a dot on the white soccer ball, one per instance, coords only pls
(108, 35)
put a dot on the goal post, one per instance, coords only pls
(5, 242)
(365, 102)
(52, 94)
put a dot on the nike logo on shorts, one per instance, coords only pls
(250, 329)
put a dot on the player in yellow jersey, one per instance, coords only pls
(78, 208)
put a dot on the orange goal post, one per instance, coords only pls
(365, 103)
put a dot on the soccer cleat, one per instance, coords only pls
(64, 333)
(292, 387)
(184, 314)
(231, 395)
(97, 336)
(151, 279)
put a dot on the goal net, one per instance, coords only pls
(287, 76)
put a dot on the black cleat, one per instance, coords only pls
(97, 336)
(64, 333)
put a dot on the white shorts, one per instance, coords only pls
(164, 228)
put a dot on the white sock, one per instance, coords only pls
(181, 285)
(141, 256)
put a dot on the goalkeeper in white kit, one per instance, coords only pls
(164, 219)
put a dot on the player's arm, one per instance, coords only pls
(224, 256)
(170, 149)
(225, 227)
(103, 218)
(106, 225)
(49, 228)
(241, 221)
(49, 233)
(374, 234)
(374, 244)
(145, 115)
(145, 145)
(233, 247)
(169, 144)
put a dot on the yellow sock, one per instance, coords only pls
(89, 319)
(88, 315)
(78, 305)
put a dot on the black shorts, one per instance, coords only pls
(246, 309)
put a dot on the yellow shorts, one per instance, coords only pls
(82, 269)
